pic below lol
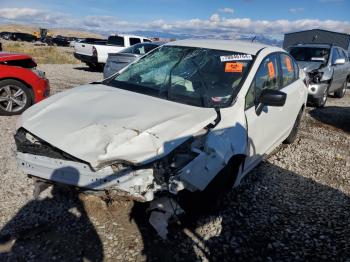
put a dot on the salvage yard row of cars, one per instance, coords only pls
(189, 118)
(49, 40)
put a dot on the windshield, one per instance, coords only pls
(310, 54)
(195, 76)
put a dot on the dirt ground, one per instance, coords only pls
(295, 206)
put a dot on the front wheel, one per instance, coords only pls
(293, 134)
(200, 202)
(321, 101)
(341, 92)
(15, 97)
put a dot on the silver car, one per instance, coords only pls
(327, 70)
(117, 61)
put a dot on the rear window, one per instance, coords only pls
(134, 41)
(116, 40)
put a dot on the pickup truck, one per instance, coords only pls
(95, 54)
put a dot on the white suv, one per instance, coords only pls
(182, 117)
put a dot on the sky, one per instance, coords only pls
(194, 17)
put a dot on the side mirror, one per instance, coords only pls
(340, 61)
(270, 97)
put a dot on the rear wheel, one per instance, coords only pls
(15, 97)
(341, 92)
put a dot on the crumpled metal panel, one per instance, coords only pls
(223, 142)
(99, 124)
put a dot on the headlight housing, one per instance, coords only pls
(316, 76)
(39, 73)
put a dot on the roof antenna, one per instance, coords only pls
(253, 39)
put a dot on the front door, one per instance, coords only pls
(270, 128)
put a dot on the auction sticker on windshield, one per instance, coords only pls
(233, 68)
(239, 57)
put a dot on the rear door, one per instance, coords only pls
(293, 86)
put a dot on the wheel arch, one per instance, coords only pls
(24, 83)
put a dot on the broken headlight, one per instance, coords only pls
(168, 167)
(316, 76)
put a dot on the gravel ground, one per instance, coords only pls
(295, 206)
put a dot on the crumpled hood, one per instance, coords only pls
(99, 124)
(309, 66)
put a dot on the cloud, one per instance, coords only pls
(214, 26)
(214, 18)
(226, 10)
(296, 10)
(31, 15)
(19, 13)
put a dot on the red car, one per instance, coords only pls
(21, 84)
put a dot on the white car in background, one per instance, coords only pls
(95, 53)
(190, 116)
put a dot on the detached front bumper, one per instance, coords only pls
(136, 184)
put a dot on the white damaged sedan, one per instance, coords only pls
(181, 117)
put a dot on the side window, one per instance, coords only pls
(134, 41)
(340, 53)
(267, 77)
(335, 55)
(140, 50)
(149, 48)
(296, 69)
(288, 74)
(345, 56)
(146, 40)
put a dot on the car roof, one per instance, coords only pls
(4, 56)
(125, 35)
(246, 47)
(150, 43)
(313, 45)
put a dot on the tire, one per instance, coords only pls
(199, 202)
(321, 102)
(15, 97)
(293, 134)
(340, 93)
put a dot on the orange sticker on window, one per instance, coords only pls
(288, 64)
(233, 67)
(271, 70)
